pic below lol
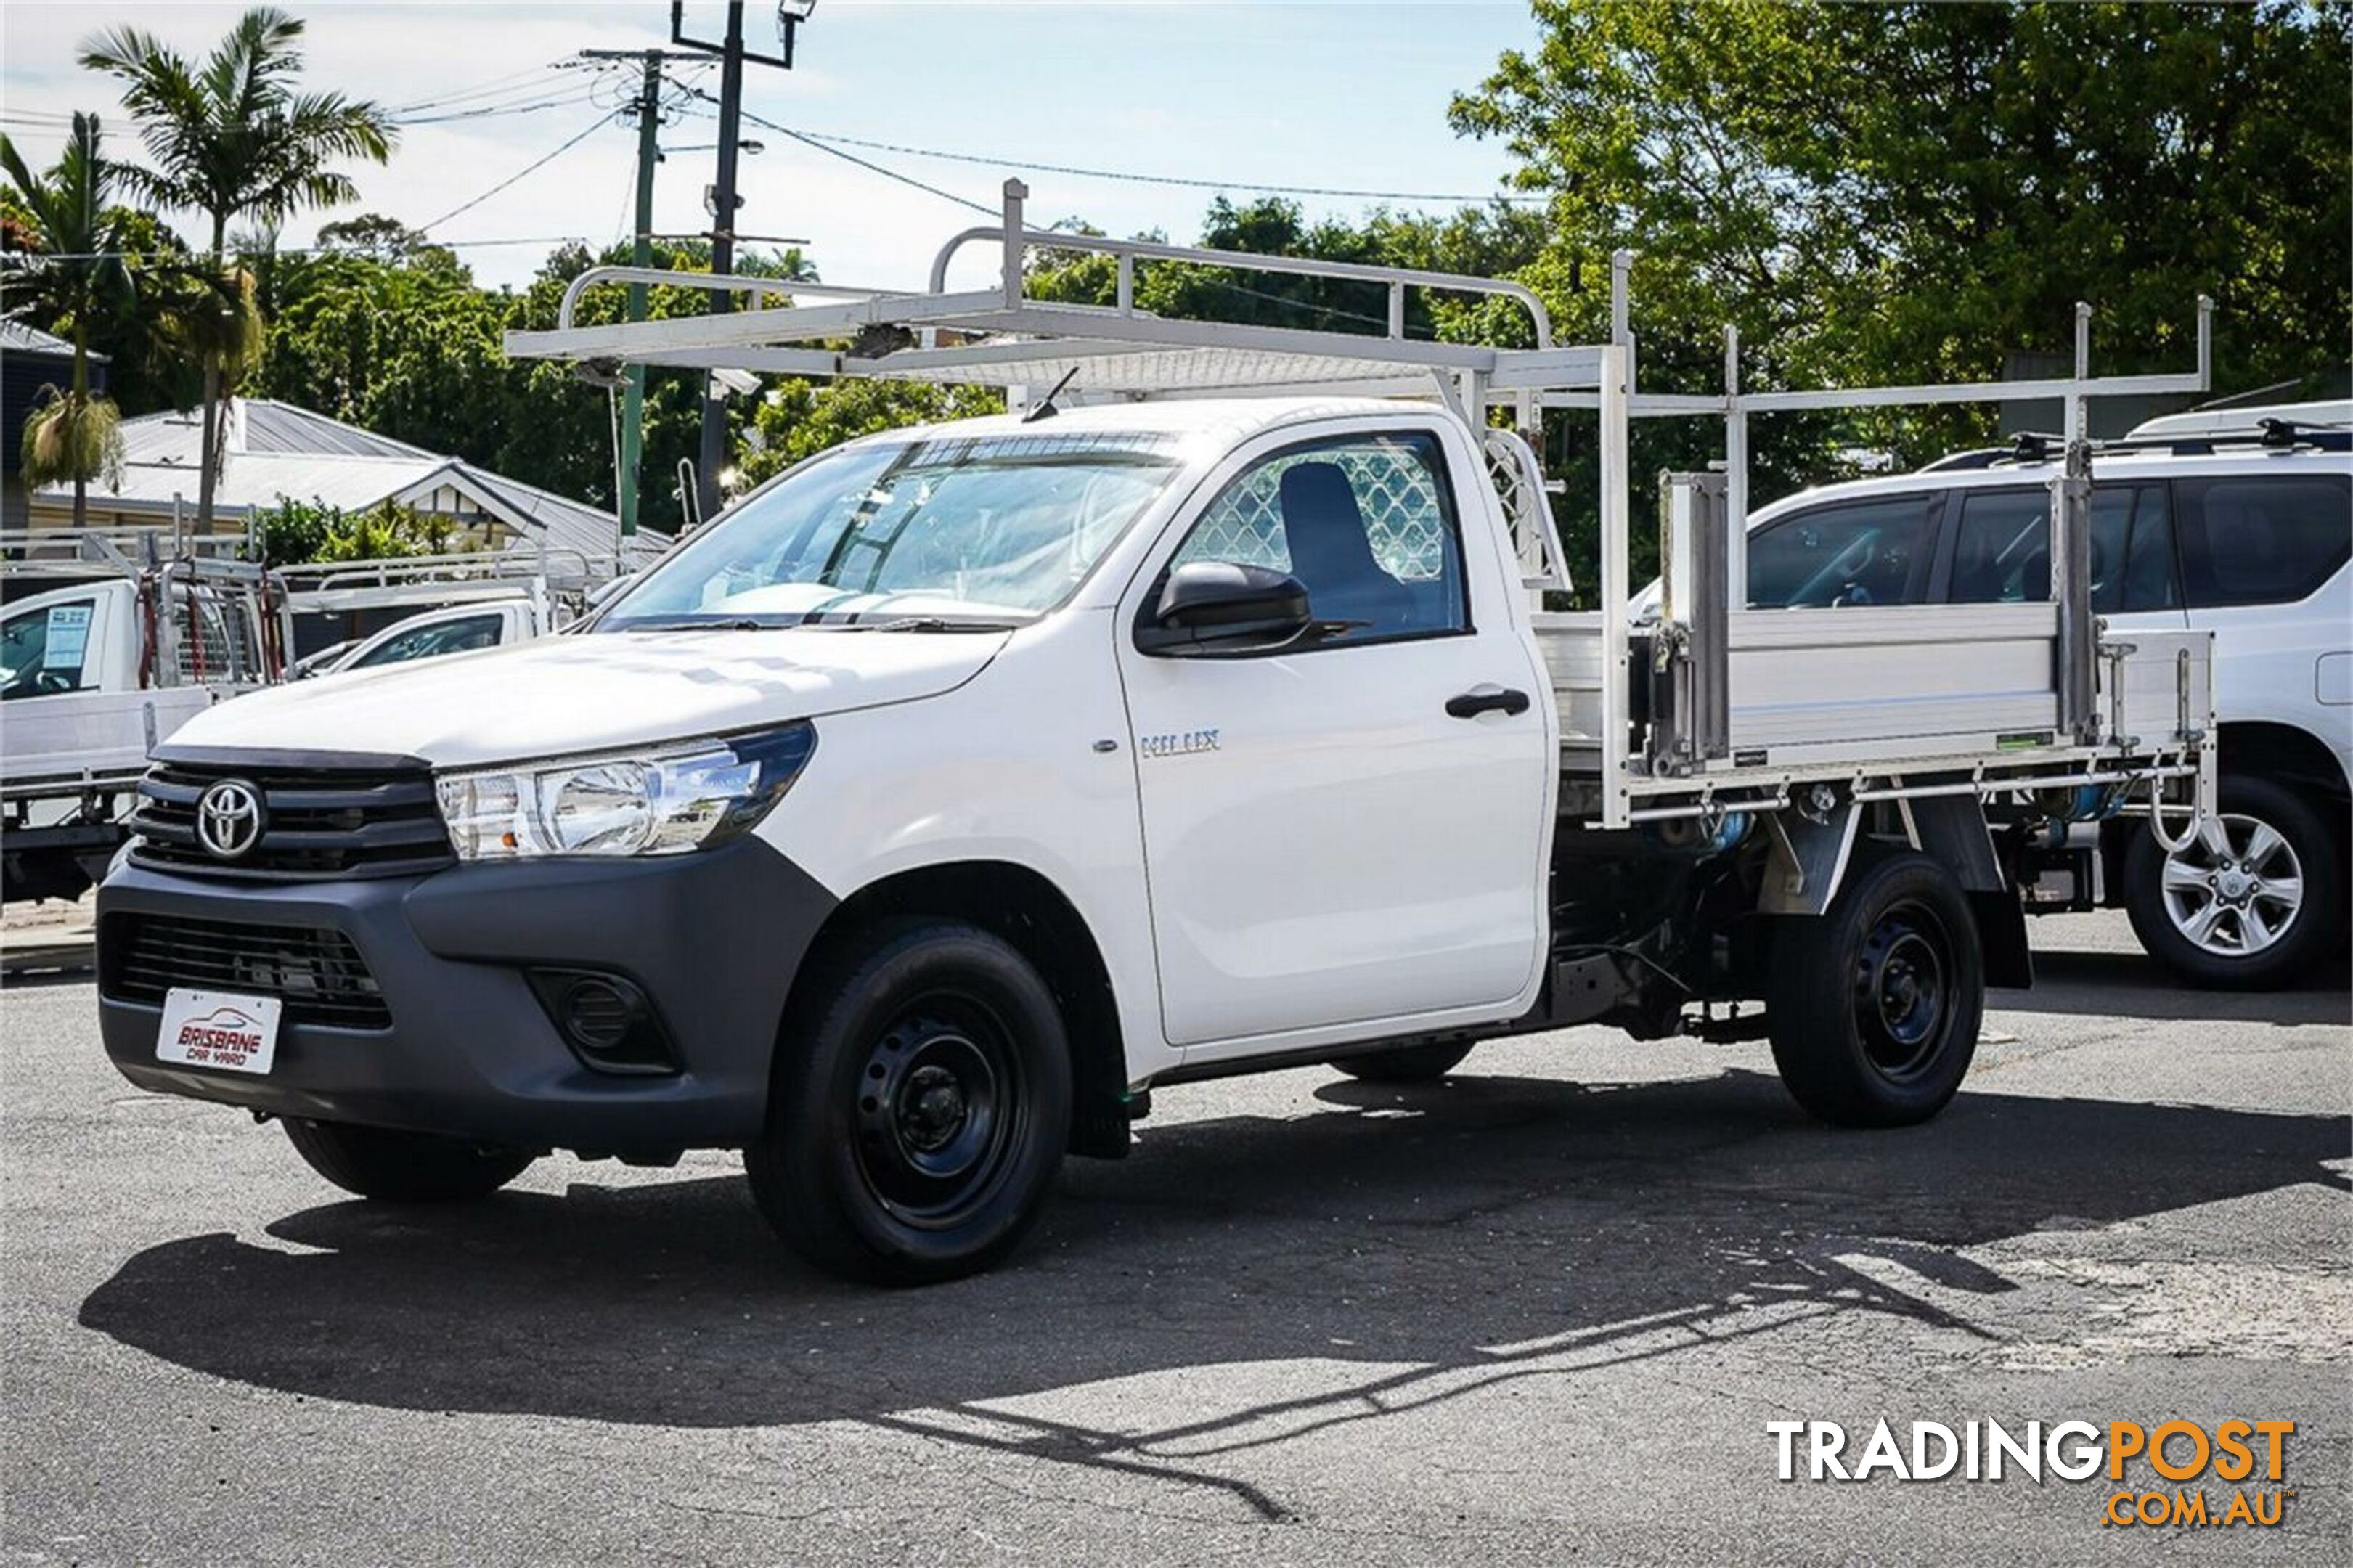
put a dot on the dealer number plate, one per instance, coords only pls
(217, 1029)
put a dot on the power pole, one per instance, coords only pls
(633, 396)
(731, 54)
(713, 451)
(641, 254)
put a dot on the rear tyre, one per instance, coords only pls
(1404, 1064)
(916, 1125)
(1873, 1006)
(2254, 903)
(404, 1167)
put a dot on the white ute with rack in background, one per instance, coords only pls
(96, 671)
(911, 824)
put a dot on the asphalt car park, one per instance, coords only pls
(1540, 1311)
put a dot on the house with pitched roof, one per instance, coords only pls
(278, 451)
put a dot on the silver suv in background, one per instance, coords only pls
(2235, 521)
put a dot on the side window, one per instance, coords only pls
(2262, 539)
(2112, 521)
(1854, 552)
(42, 651)
(1367, 524)
(2001, 551)
(431, 642)
(2001, 548)
(2145, 579)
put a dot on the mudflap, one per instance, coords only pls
(2001, 935)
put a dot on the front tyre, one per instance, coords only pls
(914, 1129)
(2251, 904)
(404, 1167)
(1873, 1006)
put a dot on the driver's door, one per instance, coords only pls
(1325, 842)
(47, 648)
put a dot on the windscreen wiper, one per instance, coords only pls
(743, 623)
(935, 624)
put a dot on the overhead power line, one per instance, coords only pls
(1132, 178)
(580, 93)
(531, 168)
(869, 164)
(21, 257)
(497, 84)
(1328, 312)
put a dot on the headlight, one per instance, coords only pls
(661, 800)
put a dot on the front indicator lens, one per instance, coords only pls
(660, 801)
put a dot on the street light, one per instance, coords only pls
(791, 14)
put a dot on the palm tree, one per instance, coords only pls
(229, 137)
(75, 276)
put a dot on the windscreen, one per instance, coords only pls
(985, 528)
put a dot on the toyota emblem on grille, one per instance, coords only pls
(228, 819)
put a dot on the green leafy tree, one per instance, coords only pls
(1901, 193)
(292, 532)
(386, 531)
(406, 346)
(73, 278)
(230, 137)
(1476, 241)
(373, 234)
(799, 418)
(549, 397)
(137, 331)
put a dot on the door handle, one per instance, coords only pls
(1487, 700)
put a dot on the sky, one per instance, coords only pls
(1349, 96)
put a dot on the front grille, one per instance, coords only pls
(318, 824)
(314, 969)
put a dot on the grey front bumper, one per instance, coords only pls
(712, 939)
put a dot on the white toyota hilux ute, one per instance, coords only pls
(908, 825)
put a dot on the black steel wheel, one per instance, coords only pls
(922, 1103)
(940, 1107)
(1902, 990)
(1873, 1006)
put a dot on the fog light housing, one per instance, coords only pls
(606, 1019)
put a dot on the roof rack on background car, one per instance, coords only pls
(2271, 434)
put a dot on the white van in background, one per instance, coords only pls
(2237, 521)
(458, 629)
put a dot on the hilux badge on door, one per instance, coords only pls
(1178, 745)
(228, 819)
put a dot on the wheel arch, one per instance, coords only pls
(1024, 908)
(2285, 752)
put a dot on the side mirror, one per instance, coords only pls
(1210, 607)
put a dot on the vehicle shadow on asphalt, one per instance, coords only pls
(2087, 984)
(1403, 1244)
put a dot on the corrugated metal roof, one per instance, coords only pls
(278, 451)
(20, 338)
(272, 427)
